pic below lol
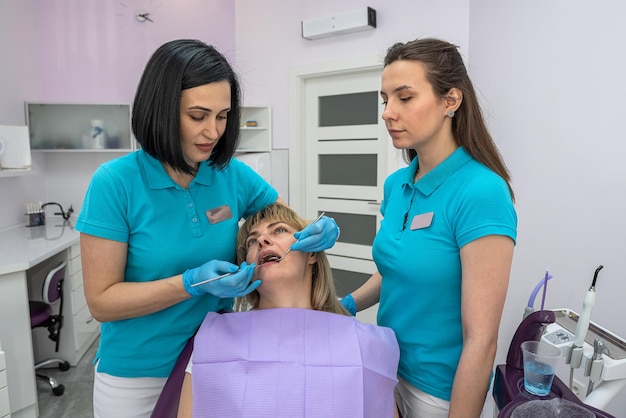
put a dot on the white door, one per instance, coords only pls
(347, 156)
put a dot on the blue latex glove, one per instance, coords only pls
(235, 285)
(317, 236)
(348, 302)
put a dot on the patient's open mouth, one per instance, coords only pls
(269, 258)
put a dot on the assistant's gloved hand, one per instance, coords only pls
(235, 285)
(317, 236)
(348, 302)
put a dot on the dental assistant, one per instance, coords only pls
(445, 246)
(161, 219)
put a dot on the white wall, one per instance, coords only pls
(16, 78)
(269, 41)
(548, 73)
(552, 73)
(91, 51)
(18, 61)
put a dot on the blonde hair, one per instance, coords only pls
(323, 295)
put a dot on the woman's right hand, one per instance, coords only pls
(236, 284)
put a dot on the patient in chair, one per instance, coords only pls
(291, 350)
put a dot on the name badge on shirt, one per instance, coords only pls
(422, 221)
(219, 214)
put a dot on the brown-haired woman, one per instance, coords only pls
(445, 246)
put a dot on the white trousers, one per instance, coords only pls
(121, 397)
(414, 403)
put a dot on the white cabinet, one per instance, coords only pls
(5, 411)
(256, 129)
(79, 127)
(80, 329)
(86, 328)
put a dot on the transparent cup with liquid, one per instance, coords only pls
(540, 360)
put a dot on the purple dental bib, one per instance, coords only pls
(293, 363)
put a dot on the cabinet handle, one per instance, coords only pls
(374, 203)
(89, 320)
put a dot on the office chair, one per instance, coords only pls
(41, 315)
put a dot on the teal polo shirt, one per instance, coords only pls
(417, 252)
(168, 230)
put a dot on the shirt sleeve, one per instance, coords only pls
(104, 211)
(486, 208)
(255, 192)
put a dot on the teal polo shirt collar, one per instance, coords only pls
(158, 178)
(431, 181)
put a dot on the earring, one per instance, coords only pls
(450, 113)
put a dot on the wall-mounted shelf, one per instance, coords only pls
(65, 127)
(255, 138)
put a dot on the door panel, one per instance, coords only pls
(358, 222)
(350, 273)
(347, 133)
(357, 108)
(343, 125)
(347, 160)
(347, 169)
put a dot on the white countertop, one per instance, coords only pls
(22, 247)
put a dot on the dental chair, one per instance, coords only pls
(508, 387)
(167, 404)
(41, 315)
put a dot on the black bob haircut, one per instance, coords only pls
(176, 66)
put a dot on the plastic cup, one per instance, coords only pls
(540, 360)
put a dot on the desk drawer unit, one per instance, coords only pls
(4, 390)
(85, 326)
(76, 272)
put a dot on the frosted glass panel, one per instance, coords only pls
(355, 228)
(348, 169)
(348, 281)
(68, 126)
(349, 109)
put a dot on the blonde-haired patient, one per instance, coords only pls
(295, 289)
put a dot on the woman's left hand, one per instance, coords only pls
(317, 236)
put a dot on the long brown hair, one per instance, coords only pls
(323, 295)
(445, 70)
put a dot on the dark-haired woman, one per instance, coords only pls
(158, 222)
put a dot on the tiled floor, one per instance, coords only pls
(76, 401)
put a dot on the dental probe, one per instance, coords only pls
(221, 276)
(289, 249)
